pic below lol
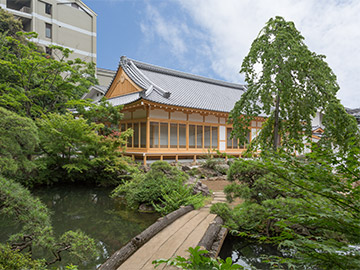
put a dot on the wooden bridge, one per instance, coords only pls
(186, 231)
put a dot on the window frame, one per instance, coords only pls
(48, 27)
(48, 8)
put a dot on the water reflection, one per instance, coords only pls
(247, 253)
(92, 211)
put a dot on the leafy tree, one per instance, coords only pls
(18, 141)
(32, 83)
(286, 82)
(101, 112)
(309, 207)
(17, 202)
(10, 260)
(9, 24)
(73, 150)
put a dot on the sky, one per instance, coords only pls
(211, 37)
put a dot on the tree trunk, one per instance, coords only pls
(276, 124)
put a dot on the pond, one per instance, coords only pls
(247, 253)
(91, 210)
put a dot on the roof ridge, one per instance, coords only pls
(182, 74)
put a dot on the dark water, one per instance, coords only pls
(247, 253)
(92, 211)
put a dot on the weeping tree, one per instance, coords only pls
(287, 83)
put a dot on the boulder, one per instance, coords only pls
(144, 208)
(198, 187)
(222, 168)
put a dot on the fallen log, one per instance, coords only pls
(134, 244)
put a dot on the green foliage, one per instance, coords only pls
(81, 246)
(341, 130)
(312, 211)
(198, 261)
(251, 182)
(73, 150)
(163, 187)
(15, 260)
(9, 24)
(16, 202)
(214, 164)
(102, 112)
(18, 140)
(171, 200)
(287, 82)
(32, 84)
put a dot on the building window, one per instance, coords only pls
(164, 135)
(48, 50)
(154, 134)
(233, 143)
(192, 136)
(143, 135)
(48, 8)
(48, 30)
(173, 135)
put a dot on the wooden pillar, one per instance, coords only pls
(176, 158)
(161, 157)
(144, 159)
(147, 129)
(226, 158)
(133, 157)
(194, 158)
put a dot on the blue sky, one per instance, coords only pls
(211, 37)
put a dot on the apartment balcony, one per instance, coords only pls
(19, 5)
(20, 8)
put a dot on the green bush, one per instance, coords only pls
(214, 164)
(14, 260)
(199, 261)
(163, 187)
(251, 182)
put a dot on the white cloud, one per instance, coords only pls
(169, 32)
(225, 30)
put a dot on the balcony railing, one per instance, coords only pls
(26, 10)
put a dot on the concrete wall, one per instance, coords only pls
(72, 27)
(105, 76)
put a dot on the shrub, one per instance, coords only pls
(199, 260)
(10, 260)
(163, 187)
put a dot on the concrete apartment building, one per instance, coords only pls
(68, 23)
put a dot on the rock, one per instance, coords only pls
(222, 168)
(144, 208)
(198, 187)
(217, 178)
(145, 169)
(185, 168)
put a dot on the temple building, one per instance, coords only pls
(174, 114)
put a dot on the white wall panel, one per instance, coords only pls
(156, 113)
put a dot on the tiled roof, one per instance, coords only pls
(177, 88)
